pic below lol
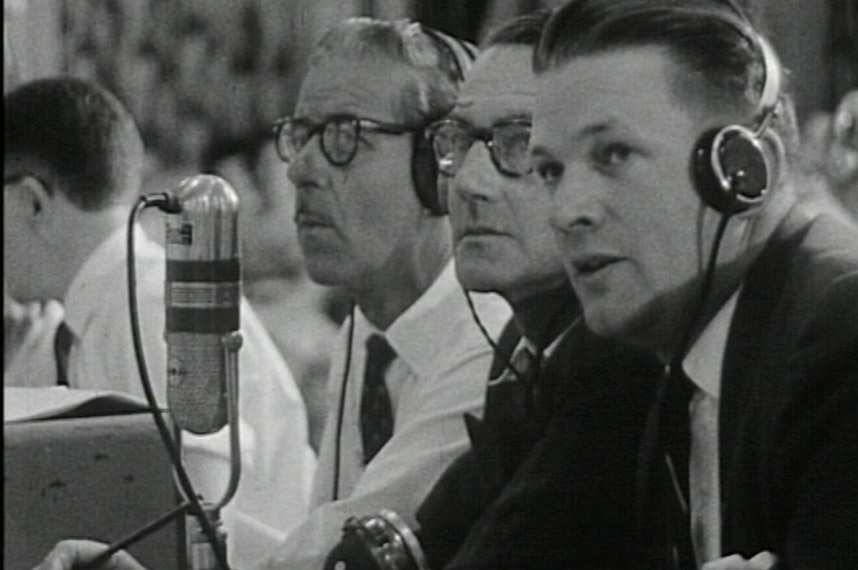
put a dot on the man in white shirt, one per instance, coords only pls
(72, 165)
(370, 220)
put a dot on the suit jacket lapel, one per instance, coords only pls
(749, 351)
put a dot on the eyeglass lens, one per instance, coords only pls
(507, 144)
(339, 139)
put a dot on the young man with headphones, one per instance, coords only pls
(664, 135)
(410, 361)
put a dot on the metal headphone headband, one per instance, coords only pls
(448, 44)
(768, 104)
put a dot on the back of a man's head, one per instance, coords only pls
(437, 60)
(721, 65)
(78, 134)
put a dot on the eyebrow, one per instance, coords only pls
(598, 128)
(514, 115)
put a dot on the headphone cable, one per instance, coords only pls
(495, 348)
(335, 492)
(706, 286)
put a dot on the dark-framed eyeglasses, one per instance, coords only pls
(506, 140)
(340, 135)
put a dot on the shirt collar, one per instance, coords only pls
(85, 293)
(552, 346)
(705, 359)
(414, 334)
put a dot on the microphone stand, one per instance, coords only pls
(206, 541)
(201, 552)
(213, 557)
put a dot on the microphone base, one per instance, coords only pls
(201, 554)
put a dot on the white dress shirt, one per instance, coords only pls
(703, 365)
(277, 462)
(438, 375)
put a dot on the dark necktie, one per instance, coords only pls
(675, 454)
(511, 393)
(62, 347)
(376, 411)
(501, 440)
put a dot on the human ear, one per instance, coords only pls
(36, 200)
(775, 150)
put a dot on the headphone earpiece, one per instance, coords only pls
(730, 166)
(731, 170)
(424, 169)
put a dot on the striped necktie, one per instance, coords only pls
(376, 411)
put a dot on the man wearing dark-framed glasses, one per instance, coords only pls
(506, 140)
(339, 136)
(550, 473)
(370, 219)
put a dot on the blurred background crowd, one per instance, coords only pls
(205, 79)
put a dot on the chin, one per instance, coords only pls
(480, 277)
(634, 328)
(325, 272)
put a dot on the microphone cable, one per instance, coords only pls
(192, 502)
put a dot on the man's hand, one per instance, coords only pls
(765, 560)
(71, 554)
(26, 327)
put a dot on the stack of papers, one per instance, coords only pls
(29, 404)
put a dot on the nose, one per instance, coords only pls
(577, 203)
(304, 167)
(471, 182)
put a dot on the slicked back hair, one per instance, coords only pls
(720, 63)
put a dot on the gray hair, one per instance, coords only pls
(438, 67)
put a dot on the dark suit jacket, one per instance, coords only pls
(556, 491)
(788, 419)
